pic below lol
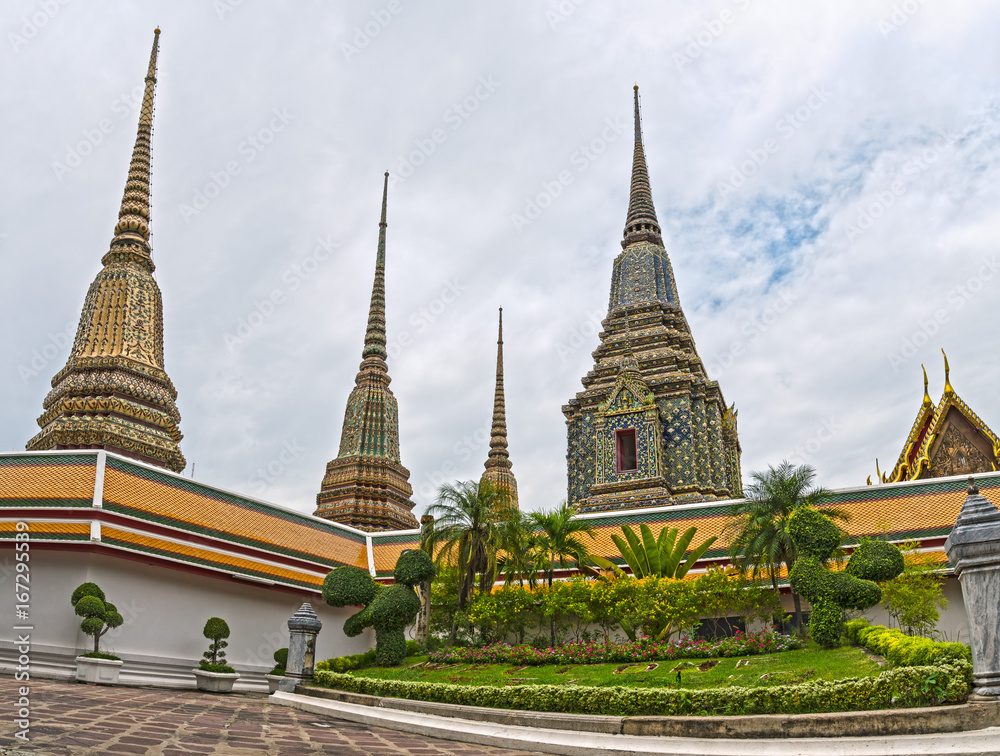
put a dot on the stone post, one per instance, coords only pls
(303, 628)
(973, 548)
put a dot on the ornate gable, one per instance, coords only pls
(947, 439)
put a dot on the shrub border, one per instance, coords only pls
(902, 687)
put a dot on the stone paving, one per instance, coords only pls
(72, 719)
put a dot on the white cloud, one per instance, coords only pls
(826, 360)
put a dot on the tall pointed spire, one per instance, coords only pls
(498, 465)
(366, 486)
(640, 223)
(375, 351)
(133, 217)
(114, 393)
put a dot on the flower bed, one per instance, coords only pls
(645, 650)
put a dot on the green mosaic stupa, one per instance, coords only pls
(366, 486)
(650, 428)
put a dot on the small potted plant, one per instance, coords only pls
(274, 676)
(213, 674)
(99, 616)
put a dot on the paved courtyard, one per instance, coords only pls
(73, 719)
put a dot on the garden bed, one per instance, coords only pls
(768, 670)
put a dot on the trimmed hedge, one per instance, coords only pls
(347, 663)
(902, 650)
(894, 688)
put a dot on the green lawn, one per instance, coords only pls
(810, 663)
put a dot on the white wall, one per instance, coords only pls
(952, 626)
(164, 610)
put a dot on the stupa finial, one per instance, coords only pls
(133, 217)
(375, 353)
(640, 223)
(498, 434)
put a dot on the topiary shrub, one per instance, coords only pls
(816, 538)
(214, 660)
(99, 615)
(389, 610)
(280, 661)
(875, 560)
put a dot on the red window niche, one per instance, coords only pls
(627, 461)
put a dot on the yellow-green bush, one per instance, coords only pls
(902, 650)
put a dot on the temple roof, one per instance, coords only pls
(945, 439)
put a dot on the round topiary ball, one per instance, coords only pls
(87, 589)
(216, 628)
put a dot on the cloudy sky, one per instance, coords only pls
(827, 179)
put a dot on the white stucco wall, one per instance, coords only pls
(952, 626)
(164, 610)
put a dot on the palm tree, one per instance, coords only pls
(557, 541)
(761, 543)
(517, 545)
(467, 524)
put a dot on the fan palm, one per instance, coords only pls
(761, 544)
(650, 555)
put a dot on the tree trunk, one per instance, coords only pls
(798, 613)
(423, 629)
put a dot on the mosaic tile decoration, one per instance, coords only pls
(366, 486)
(114, 393)
(697, 451)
